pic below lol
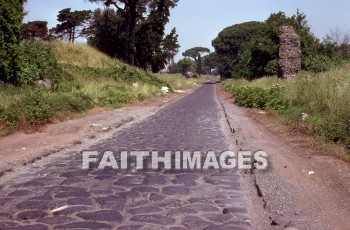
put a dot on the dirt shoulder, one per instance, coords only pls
(306, 185)
(20, 149)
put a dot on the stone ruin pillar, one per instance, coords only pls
(289, 55)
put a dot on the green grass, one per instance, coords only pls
(323, 96)
(89, 79)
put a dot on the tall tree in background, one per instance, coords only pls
(250, 49)
(11, 15)
(35, 30)
(230, 42)
(140, 30)
(72, 23)
(130, 11)
(152, 48)
(185, 64)
(196, 53)
(104, 33)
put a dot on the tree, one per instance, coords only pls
(250, 49)
(185, 64)
(167, 50)
(35, 30)
(130, 11)
(196, 53)
(211, 61)
(191, 54)
(174, 68)
(141, 28)
(11, 16)
(338, 42)
(230, 41)
(104, 32)
(72, 23)
(152, 48)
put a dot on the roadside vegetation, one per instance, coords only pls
(80, 78)
(44, 79)
(250, 50)
(316, 101)
(319, 102)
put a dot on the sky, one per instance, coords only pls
(198, 22)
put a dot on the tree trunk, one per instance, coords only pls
(132, 30)
(73, 37)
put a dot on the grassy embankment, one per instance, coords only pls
(89, 79)
(316, 102)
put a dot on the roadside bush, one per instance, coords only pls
(32, 107)
(37, 61)
(324, 97)
(84, 78)
(257, 97)
(11, 14)
(318, 63)
(76, 102)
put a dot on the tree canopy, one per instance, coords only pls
(196, 53)
(72, 23)
(250, 49)
(35, 30)
(136, 32)
(11, 15)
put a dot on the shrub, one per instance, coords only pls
(11, 14)
(257, 97)
(38, 60)
(323, 96)
(335, 130)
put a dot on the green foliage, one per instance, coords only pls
(35, 30)
(11, 14)
(89, 79)
(257, 97)
(33, 107)
(196, 53)
(320, 63)
(136, 32)
(250, 49)
(104, 33)
(37, 61)
(153, 49)
(335, 130)
(185, 64)
(323, 96)
(71, 23)
(174, 68)
(229, 42)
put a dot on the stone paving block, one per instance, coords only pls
(58, 194)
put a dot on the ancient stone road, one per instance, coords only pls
(58, 194)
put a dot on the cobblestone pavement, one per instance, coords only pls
(58, 194)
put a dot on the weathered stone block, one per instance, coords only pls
(289, 55)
